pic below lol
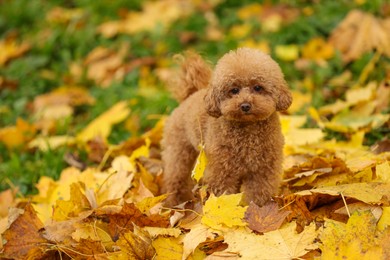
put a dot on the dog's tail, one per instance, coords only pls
(195, 74)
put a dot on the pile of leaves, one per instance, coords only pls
(103, 200)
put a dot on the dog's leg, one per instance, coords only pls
(221, 177)
(178, 162)
(260, 187)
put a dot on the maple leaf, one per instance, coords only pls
(223, 210)
(168, 248)
(101, 126)
(283, 243)
(355, 240)
(365, 31)
(120, 222)
(366, 192)
(136, 245)
(23, 237)
(197, 235)
(266, 218)
(77, 203)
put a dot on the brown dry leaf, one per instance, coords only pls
(266, 218)
(123, 221)
(105, 65)
(367, 33)
(136, 245)
(9, 50)
(23, 237)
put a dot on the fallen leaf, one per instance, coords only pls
(101, 126)
(354, 240)
(78, 202)
(23, 237)
(130, 215)
(136, 246)
(384, 220)
(371, 193)
(223, 210)
(198, 234)
(283, 243)
(383, 171)
(365, 31)
(266, 218)
(167, 248)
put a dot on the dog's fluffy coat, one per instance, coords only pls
(234, 110)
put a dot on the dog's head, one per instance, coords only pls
(247, 85)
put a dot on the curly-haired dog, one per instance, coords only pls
(234, 109)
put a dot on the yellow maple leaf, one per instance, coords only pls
(200, 165)
(167, 248)
(384, 220)
(355, 240)
(284, 243)
(77, 203)
(101, 126)
(224, 210)
(147, 203)
(383, 171)
(198, 234)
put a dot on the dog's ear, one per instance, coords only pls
(212, 103)
(284, 99)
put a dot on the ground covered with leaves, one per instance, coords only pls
(83, 102)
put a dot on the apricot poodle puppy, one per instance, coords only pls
(233, 110)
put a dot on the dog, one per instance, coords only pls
(233, 110)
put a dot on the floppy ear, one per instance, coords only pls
(284, 98)
(212, 102)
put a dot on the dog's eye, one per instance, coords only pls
(234, 91)
(258, 88)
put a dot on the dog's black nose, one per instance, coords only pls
(245, 107)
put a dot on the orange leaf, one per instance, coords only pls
(266, 218)
(23, 237)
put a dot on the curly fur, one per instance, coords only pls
(236, 115)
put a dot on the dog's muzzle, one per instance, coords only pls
(245, 107)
